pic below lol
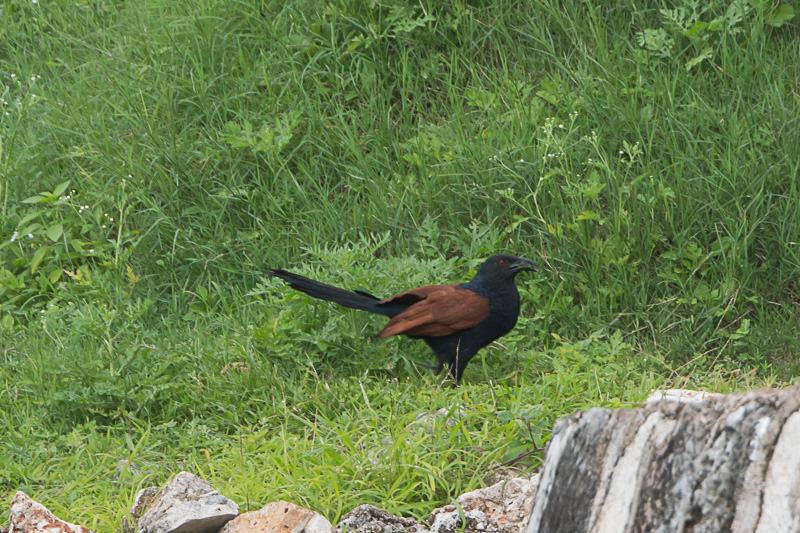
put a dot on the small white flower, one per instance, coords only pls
(521, 160)
(621, 152)
(111, 219)
(14, 237)
(561, 126)
(103, 226)
(91, 250)
(30, 235)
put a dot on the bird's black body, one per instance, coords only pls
(454, 320)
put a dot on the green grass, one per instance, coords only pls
(161, 155)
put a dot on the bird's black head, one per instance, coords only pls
(504, 266)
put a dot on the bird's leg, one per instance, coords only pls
(536, 447)
(455, 368)
(458, 353)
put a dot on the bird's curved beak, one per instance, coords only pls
(522, 264)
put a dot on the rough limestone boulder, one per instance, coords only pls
(279, 517)
(140, 504)
(727, 464)
(501, 508)
(370, 519)
(187, 504)
(29, 516)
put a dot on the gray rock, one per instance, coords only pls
(143, 499)
(371, 519)
(29, 516)
(279, 517)
(187, 504)
(730, 463)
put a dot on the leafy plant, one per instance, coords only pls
(270, 140)
(706, 24)
(57, 241)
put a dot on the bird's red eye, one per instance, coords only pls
(502, 262)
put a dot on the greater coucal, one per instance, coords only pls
(455, 320)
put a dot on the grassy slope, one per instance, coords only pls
(375, 146)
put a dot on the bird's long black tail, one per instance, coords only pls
(352, 299)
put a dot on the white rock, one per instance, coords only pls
(681, 395)
(501, 508)
(780, 512)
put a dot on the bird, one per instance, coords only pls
(455, 320)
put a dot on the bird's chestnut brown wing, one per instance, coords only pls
(439, 310)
